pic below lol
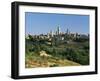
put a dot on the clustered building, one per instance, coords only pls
(59, 36)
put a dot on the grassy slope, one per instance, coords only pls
(34, 60)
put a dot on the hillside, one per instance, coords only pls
(35, 60)
(52, 52)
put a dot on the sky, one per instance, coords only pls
(42, 23)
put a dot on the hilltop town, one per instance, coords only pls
(53, 38)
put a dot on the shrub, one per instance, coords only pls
(54, 65)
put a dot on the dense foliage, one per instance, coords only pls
(77, 50)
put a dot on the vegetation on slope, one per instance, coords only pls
(72, 53)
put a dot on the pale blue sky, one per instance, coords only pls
(38, 23)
